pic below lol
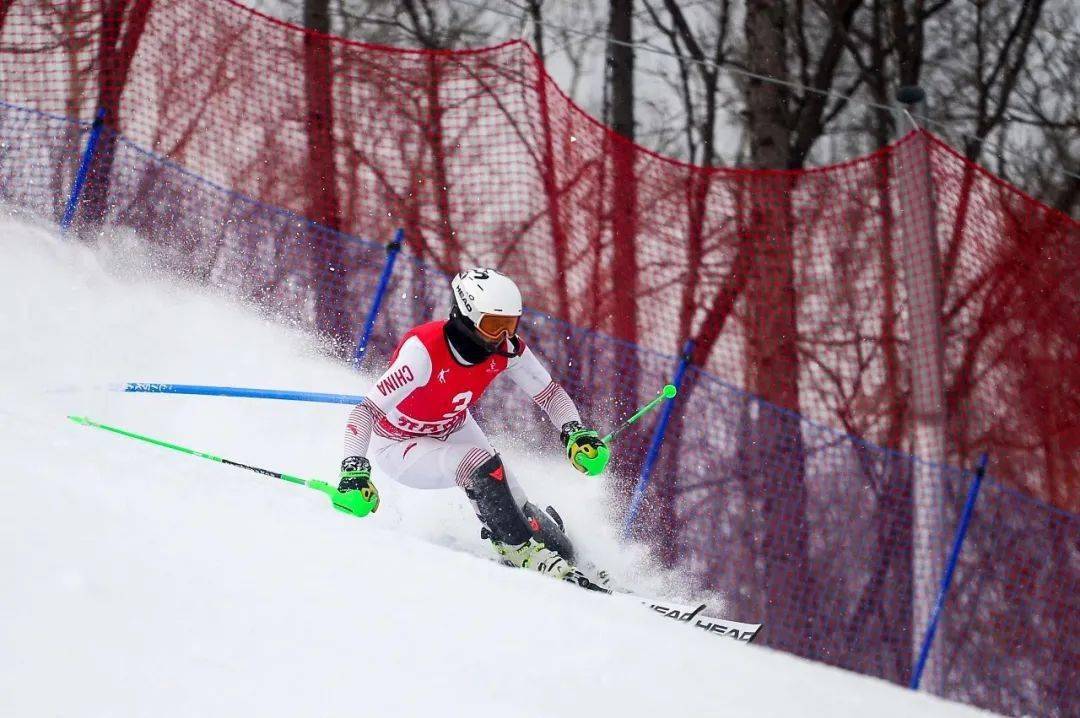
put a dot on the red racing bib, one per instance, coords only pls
(438, 407)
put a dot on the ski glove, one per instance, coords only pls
(356, 477)
(587, 453)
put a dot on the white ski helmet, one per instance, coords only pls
(488, 303)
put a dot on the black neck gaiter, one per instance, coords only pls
(463, 343)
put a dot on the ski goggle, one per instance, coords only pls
(495, 326)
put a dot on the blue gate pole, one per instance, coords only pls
(236, 391)
(657, 441)
(84, 169)
(946, 580)
(392, 250)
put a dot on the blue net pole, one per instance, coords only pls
(392, 251)
(946, 580)
(84, 169)
(242, 392)
(657, 441)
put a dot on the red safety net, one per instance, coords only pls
(795, 285)
(908, 300)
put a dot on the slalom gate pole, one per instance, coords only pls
(667, 392)
(657, 441)
(392, 251)
(946, 580)
(84, 169)
(284, 394)
(350, 502)
(237, 391)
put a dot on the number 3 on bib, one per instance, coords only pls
(461, 403)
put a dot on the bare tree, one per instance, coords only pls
(122, 25)
(5, 6)
(1043, 118)
(624, 201)
(574, 34)
(623, 205)
(323, 205)
(782, 126)
(333, 315)
(703, 49)
(416, 23)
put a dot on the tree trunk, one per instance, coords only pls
(624, 270)
(323, 203)
(560, 244)
(772, 365)
(122, 25)
(5, 6)
(624, 206)
(332, 306)
(441, 179)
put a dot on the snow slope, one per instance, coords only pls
(138, 581)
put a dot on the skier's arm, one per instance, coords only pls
(531, 377)
(584, 449)
(358, 428)
(410, 370)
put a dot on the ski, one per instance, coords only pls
(697, 617)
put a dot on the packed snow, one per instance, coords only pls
(139, 581)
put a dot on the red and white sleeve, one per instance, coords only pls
(410, 371)
(358, 428)
(530, 375)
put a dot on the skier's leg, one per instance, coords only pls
(423, 462)
(512, 524)
(467, 459)
(542, 526)
(546, 527)
(494, 502)
(497, 498)
(505, 524)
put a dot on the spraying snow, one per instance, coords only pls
(139, 581)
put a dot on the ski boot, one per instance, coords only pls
(535, 555)
(548, 528)
(523, 535)
(538, 557)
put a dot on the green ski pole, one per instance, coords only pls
(668, 392)
(350, 502)
(593, 460)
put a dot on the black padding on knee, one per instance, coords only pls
(495, 505)
(548, 532)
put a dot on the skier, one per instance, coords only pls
(415, 422)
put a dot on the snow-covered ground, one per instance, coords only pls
(142, 582)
